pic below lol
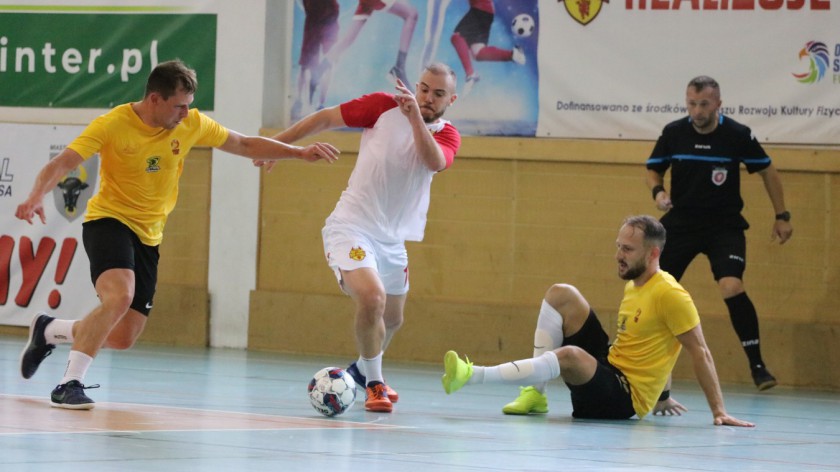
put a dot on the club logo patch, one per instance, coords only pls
(357, 254)
(153, 164)
(719, 176)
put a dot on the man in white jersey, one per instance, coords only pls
(404, 143)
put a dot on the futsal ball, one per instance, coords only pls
(523, 25)
(332, 391)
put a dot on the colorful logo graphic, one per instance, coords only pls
(817, 54)
(153, 164)
(583, 11)
(357, 254)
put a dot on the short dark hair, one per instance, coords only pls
(702, 81)
(653, 231)
(169, 77)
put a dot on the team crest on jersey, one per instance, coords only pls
(719, 176)
(622, 323)
(152, 164)
(176, 147)
(357, 254)
(583, 11)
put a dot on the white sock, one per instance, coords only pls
(59, 331)
(523, 372)
(77, 366)
(548, 336)
(371, 368)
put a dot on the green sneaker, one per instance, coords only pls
(457, 372)
(529, 401)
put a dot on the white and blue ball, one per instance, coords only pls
(332, 391)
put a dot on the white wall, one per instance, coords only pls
(239, 103)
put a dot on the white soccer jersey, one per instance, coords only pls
(387, 195)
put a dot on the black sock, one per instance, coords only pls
(745, 321)
(401, 60)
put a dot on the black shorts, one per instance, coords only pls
(607, 394)
(475, 26)
(112, 245)
(725, 247)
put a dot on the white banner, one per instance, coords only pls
(619, 70)
(43, 267)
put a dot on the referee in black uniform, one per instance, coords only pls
(704, 152)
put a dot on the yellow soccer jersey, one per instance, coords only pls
(646, 347)
(140, 166)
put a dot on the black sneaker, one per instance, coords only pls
(71, 396)
(763, 379)
(36, 349)
(360, 379)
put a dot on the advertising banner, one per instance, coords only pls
(594, 69)
(46, 61)
(43, 267)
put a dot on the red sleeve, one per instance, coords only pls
(363, 112)
(449, 141)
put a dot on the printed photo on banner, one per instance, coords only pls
(43, 267)
(342, 49)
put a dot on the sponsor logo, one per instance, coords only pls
(583, 11)
(5, 178)
(816, 54)
(176, 147)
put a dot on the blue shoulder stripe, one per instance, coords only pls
(695, 157)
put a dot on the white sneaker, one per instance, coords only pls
(518, 55)
(468, 84)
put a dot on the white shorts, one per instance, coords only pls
(346, 248)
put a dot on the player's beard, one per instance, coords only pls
(633, 271)
(433, 117)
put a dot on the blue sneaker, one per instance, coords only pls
(36, 349)
(361, 382)
(71, 396)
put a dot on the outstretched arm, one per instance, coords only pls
(321, 120)
(704, 368)
(259, 148)
(47, 179)
(773, 184)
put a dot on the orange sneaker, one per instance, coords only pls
(377, 398)
(361, 381)
(392, 394)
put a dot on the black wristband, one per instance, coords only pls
(666, 394)
(656, 189)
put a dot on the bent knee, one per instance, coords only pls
(559, 294)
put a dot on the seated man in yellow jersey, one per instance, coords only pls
(142, 146)
(630, 378)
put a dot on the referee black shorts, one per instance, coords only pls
(726, 249)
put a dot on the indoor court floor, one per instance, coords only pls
(185, 409)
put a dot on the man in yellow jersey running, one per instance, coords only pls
(142, 147)
(630, 378)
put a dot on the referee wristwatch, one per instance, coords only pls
(784, 216)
